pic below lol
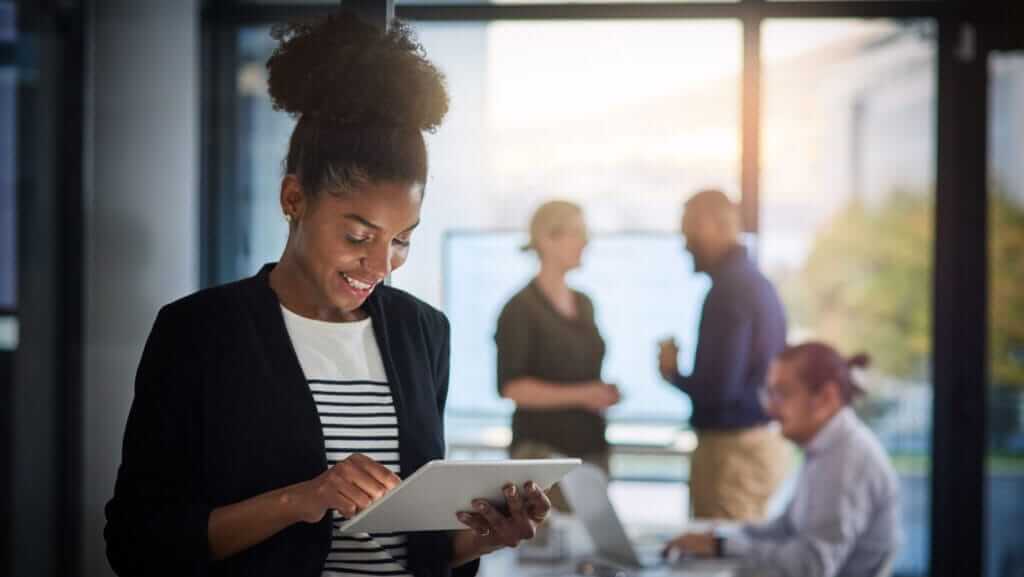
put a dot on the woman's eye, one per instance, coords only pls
(401, 242)
(356, 239)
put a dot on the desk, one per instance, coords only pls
(507, 562)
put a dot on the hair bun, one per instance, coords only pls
(859, 361)
(343, 71)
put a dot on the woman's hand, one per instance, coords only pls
(493, 529)
(349, 487)
(597, 396)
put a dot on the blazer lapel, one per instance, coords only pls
(283, 363)
(378, 315)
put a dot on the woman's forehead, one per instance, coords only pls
(380, 205)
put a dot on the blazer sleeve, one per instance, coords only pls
(442, 363)
(157, 520)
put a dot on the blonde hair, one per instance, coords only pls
(550, 218)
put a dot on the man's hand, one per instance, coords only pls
(668, 360)
(699, 544)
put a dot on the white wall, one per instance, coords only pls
(141, 215)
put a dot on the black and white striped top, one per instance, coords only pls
(345, 372)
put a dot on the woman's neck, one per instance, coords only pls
(551, 282)
(299, 294)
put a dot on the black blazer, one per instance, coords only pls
(222, 412)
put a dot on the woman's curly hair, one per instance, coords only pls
(362, 97)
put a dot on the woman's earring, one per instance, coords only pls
(288, 217)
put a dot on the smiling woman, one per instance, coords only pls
(270, 409)
(341, 246)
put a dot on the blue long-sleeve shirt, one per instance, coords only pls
(742, 328)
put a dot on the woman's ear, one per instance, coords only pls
(293, 198)
(540, 246)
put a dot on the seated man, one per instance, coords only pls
(844, 518)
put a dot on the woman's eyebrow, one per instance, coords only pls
(362, 221)
(366, 223)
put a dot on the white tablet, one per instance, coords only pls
(429, 499)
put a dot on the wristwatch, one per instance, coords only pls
(719, 546)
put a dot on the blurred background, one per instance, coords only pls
(875, 147)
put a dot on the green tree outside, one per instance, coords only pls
(1006, 287)
(866, 285)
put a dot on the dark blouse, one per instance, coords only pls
(535, 340)
(222, 412)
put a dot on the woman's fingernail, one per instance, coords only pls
(480, 506)
(510, 490)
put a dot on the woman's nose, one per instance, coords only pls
(377, 261)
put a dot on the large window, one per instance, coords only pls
(543, 110)
(539, 110)
(847, 218)
(1005, 483)
(547, 110)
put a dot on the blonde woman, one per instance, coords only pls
(550, 350)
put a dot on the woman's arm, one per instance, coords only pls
(158, 521)
(349, 487)
(157, 517)
(234, 528)
(514, 369)
(531, 393)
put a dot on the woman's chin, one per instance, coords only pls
(345, 298)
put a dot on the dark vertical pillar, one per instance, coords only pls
(46, 387)
(960, 306)
(222, 234)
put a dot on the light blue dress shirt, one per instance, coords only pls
(844, 518)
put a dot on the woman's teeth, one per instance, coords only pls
(357, 284)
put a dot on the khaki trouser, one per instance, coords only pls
(535, 450)
(733, 474)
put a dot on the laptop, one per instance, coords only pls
(586, 490)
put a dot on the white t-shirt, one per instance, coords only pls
(346, 376)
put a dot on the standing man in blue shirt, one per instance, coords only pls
(740, 459)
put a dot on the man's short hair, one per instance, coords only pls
(713, 203)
